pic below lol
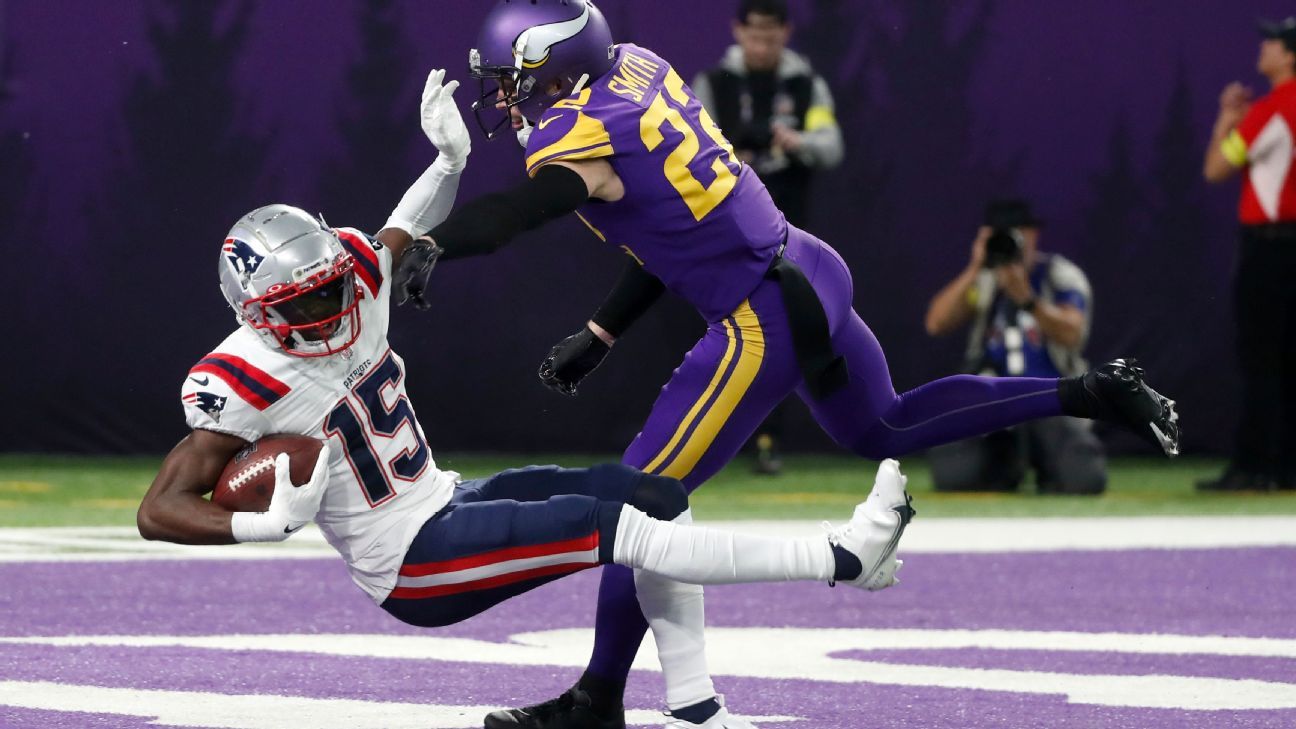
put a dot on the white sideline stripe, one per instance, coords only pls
(587, 556)
(924, 536)
(72, 542)
(1054, 534)
(812, 654)
(117, 544)
(235, 711)
(566, 646)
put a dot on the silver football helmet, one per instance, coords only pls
(288, 278)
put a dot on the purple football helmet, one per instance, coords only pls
(530, 47)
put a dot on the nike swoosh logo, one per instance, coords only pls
(905, 512)
(203, 381)
(294, 530)
(546, 122)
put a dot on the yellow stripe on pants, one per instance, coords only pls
(713, 419)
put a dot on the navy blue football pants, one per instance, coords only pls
(505, 534)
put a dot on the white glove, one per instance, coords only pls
(291, 507)
(441, 120)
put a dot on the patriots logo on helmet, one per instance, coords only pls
(242, 258)
(207, 402)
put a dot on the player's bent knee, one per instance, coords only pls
(660, 497)
(877, 443)
(430, 613)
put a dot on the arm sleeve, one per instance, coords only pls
(486, 224)
(634, 293)
(428, 201)
(823, 146)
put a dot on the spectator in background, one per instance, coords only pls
(778, 113)
(1256, 139)
(1029, 314)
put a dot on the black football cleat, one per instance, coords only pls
(572, 710)
(1115, 392)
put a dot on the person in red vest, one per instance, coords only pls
(1256, 139)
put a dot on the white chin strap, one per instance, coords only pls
(524, 134)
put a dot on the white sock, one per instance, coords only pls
(703, 556)
(676, 615)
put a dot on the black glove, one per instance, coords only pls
(571, 360)
(415, 266)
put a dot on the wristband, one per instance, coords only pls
(254, 526)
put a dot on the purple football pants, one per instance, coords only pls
(745, 365)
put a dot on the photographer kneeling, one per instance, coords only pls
(1029, 314)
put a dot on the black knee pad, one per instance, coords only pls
(660, 497)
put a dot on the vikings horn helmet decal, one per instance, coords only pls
(532, 48)
(537, 53)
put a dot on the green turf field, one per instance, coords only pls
(66, 491)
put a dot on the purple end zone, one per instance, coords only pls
(1242, 592)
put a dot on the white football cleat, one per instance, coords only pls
(722, 719)
(874, 532)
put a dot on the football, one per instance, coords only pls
(248, 481)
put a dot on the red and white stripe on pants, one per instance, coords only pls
(497, 568)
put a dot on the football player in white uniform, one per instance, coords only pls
(310, 357)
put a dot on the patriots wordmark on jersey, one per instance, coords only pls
(383, 483)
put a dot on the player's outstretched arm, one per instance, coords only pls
(633, 295)
(174, 509)
(575, 357)
(486, 224)
(428, 201)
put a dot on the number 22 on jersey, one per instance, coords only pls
(369, 431)
(701, 199)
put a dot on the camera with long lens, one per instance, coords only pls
(1006, 220)
(1004, 246)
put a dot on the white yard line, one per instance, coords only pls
(804, 654)
(1044, 534)
(232, 711)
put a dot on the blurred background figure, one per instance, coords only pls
(779, 115)
(1256, 139)
(1029, 314)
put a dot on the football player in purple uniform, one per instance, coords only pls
(310, 356)
(614, 135)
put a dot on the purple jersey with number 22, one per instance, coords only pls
(692, 214)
